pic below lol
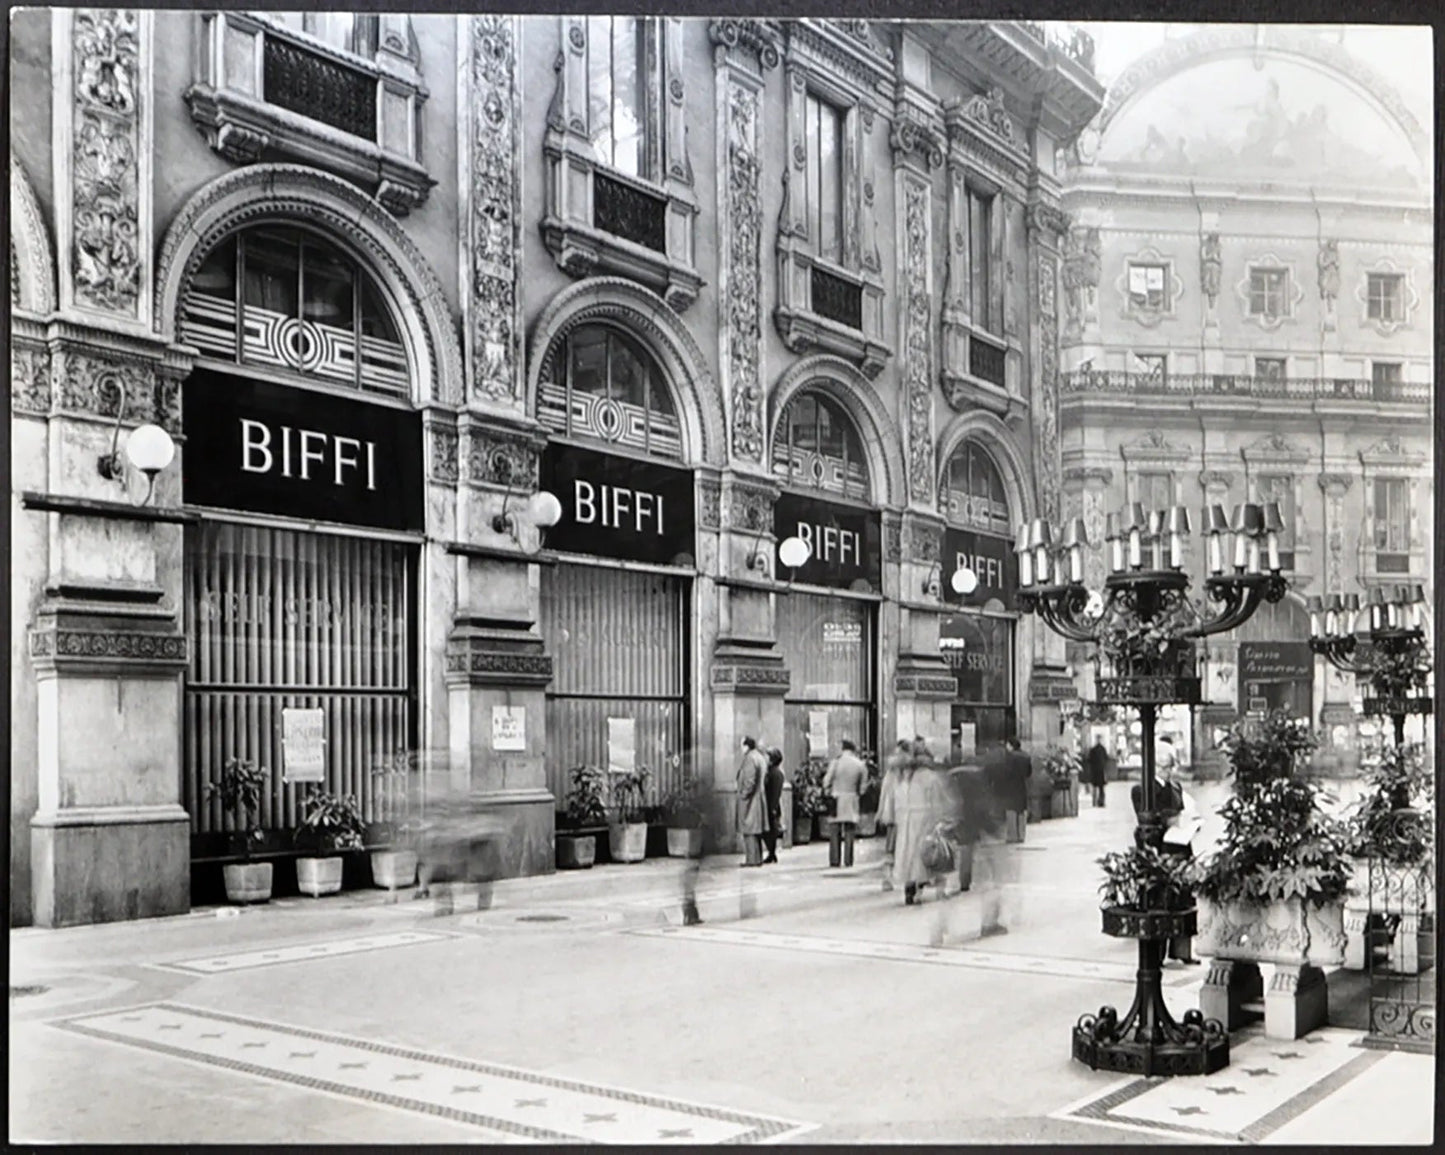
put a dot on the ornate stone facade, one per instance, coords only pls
(494, 459)
(494, 330)
(741, 258)
(918, 339)
(1046, 388)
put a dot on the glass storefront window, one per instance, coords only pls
(828, 645)
(973, 493)
(816, 446)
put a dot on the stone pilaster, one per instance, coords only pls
(1046, 223)
(1086, 495)
(923, 685)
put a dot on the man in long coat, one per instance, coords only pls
(752, 802)
(1009, 778)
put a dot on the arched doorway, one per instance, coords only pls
(827, 622)
(303, 454)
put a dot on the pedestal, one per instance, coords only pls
(1229, 985)
(1296, 1003)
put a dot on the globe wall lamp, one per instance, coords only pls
(148, 449)
(963, 581)
(1143, 623)
(794, 552)
(1397, 661)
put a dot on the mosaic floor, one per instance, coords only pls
(1267, 1084)
(509, 1103)
(275, 956)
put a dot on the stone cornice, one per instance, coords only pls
(1336, 482)
(762, 38)
(83, 651)
(1083, 474)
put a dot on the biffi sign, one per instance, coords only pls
(844, 542)
(620, 507)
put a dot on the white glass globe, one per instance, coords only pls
(543, 509)
(964, 581)
(150, 449)
(794, 552)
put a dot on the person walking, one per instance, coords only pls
(844, 781)
(773, 801)
(1009, 781)
(752, 802)
(898, 758)
(976, 828)
(1096, 767)
(919, 804)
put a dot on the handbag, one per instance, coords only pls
(936, 851)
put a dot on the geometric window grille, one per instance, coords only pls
(598, 383)
(973, 491)
(285, 298)
(816, 446)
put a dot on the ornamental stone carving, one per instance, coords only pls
(1335, 486)
(1083, 263)
(760, 37)
(1211, 267)
(892, 541)
(749, 509)
(29, 380)
(918, 341)
(444, 454)
(742, 272)
(494, 337)
(137, 391)
(1046, 387)
(55, 645)
(493, 460)
(1328, 266)
(709, 504)
(925, 542)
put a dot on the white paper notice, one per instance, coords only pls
(509, 727)
(968, 739)
(622, 744)
(817, 733)
(303, 744)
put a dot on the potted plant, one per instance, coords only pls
(1060, 768)
(808, 800)
(239, 788)
(1393, 842)
(583, 816)
(330, 823)
(627, 824)
(869, 797)
(394, 866)
(682, 813)
(1274, 889)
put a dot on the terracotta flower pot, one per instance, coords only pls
(247, 881)
(684, 841)
(318, 876)
(576, 851)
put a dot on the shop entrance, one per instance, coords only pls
(828, 644)
(279, 620)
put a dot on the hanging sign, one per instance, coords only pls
(993, 562)
(844, 541)
(303, 744)
(619, 506)
(509, 727)
(268, 448)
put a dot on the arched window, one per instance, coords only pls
(973, 493)
(817, 446)
(285, 298)
(599, 383)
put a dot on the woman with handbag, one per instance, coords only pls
(919, 805)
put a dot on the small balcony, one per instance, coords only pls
(1117, 382)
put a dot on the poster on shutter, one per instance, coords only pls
(817, 733)
(303, 745)
(622, 744)
(509, 727)
(968, 739)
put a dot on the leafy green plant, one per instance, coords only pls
(585, 805)
(1396, 673)
(239, 788)
(330, 822)
(1278, 842)
(1146, 878)
(1061, 765)
(685, 804)
(629, 794)
(1136, 646)
(808, 798)
(1383, 824)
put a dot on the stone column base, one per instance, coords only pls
(1298, 1001)
(1227, 987)
(110, 863)
(529, 845)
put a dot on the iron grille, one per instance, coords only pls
(313, 85)
(837, 299)
(629, 213)
(986, 362)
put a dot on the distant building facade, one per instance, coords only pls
(385, 278)
(1249, 303)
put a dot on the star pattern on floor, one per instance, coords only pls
(507, 1103)
(1257, 1072)
(1287, 1055)
(1227, 1089)
(1189, 1110)
(303, 952)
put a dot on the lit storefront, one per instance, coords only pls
(978, 638)
(827, 634)
(616, 606)
(298, 416)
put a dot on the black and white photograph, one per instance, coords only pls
(483, 483)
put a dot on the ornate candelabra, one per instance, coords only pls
(1144, 623)
(1397, 661)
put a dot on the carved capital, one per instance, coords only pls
(760, 37)
(1336, 484)
(1212, 480)
(1094, 476)
(1046, 218)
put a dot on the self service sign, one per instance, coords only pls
(619, 507)
(268, 448)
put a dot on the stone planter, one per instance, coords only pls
(1297, 937)
(247, 881)
(318, 876)
(868, 824)
(393, 869)
(802, 829)
(822, 828)
(684, 841)
(627, 841)
(576, 851)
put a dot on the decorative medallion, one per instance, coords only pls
(918, 343)
(500, 461)
(105, 251)
(742, 262)
(494, 225)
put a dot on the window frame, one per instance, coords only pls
(1386, 541)
(1263, 293)
(1395, 301)
(966, 455)
(1144, 482)
(1278, 368)
(1159, 361)
(649, 95)
(1146, 305)
(852, 437)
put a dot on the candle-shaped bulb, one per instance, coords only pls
(1253, 555)
(1026, 568)
(1216, 553)
(1136, 548)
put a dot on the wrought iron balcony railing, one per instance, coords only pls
(306, 82)
(986, 361)
(630, 213)
(1229, 384)
(837, 299)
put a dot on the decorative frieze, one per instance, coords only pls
(741, 262)
(748, 509)
(32, 261)
(493, 459)
(892, 541)
(103, 148)
(106, 384)
(50, 648)
(29, 380)
(1046, 386)
(750, 679)
(925, 542)
(918, 336)
(709, 504)
(925, 686)
(761, 38)
(494, 325)
(497, 667)
(444, 454)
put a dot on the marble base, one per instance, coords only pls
(527, 848)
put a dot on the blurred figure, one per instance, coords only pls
(1183, 823)
(692, 868)
(752, 803)
(773, 797)
(919, 804)
(460, 845)
(976, 826)
(1096, 769)
(1166, 758)
(1009, 780)
(844, 781)
(898, 758)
